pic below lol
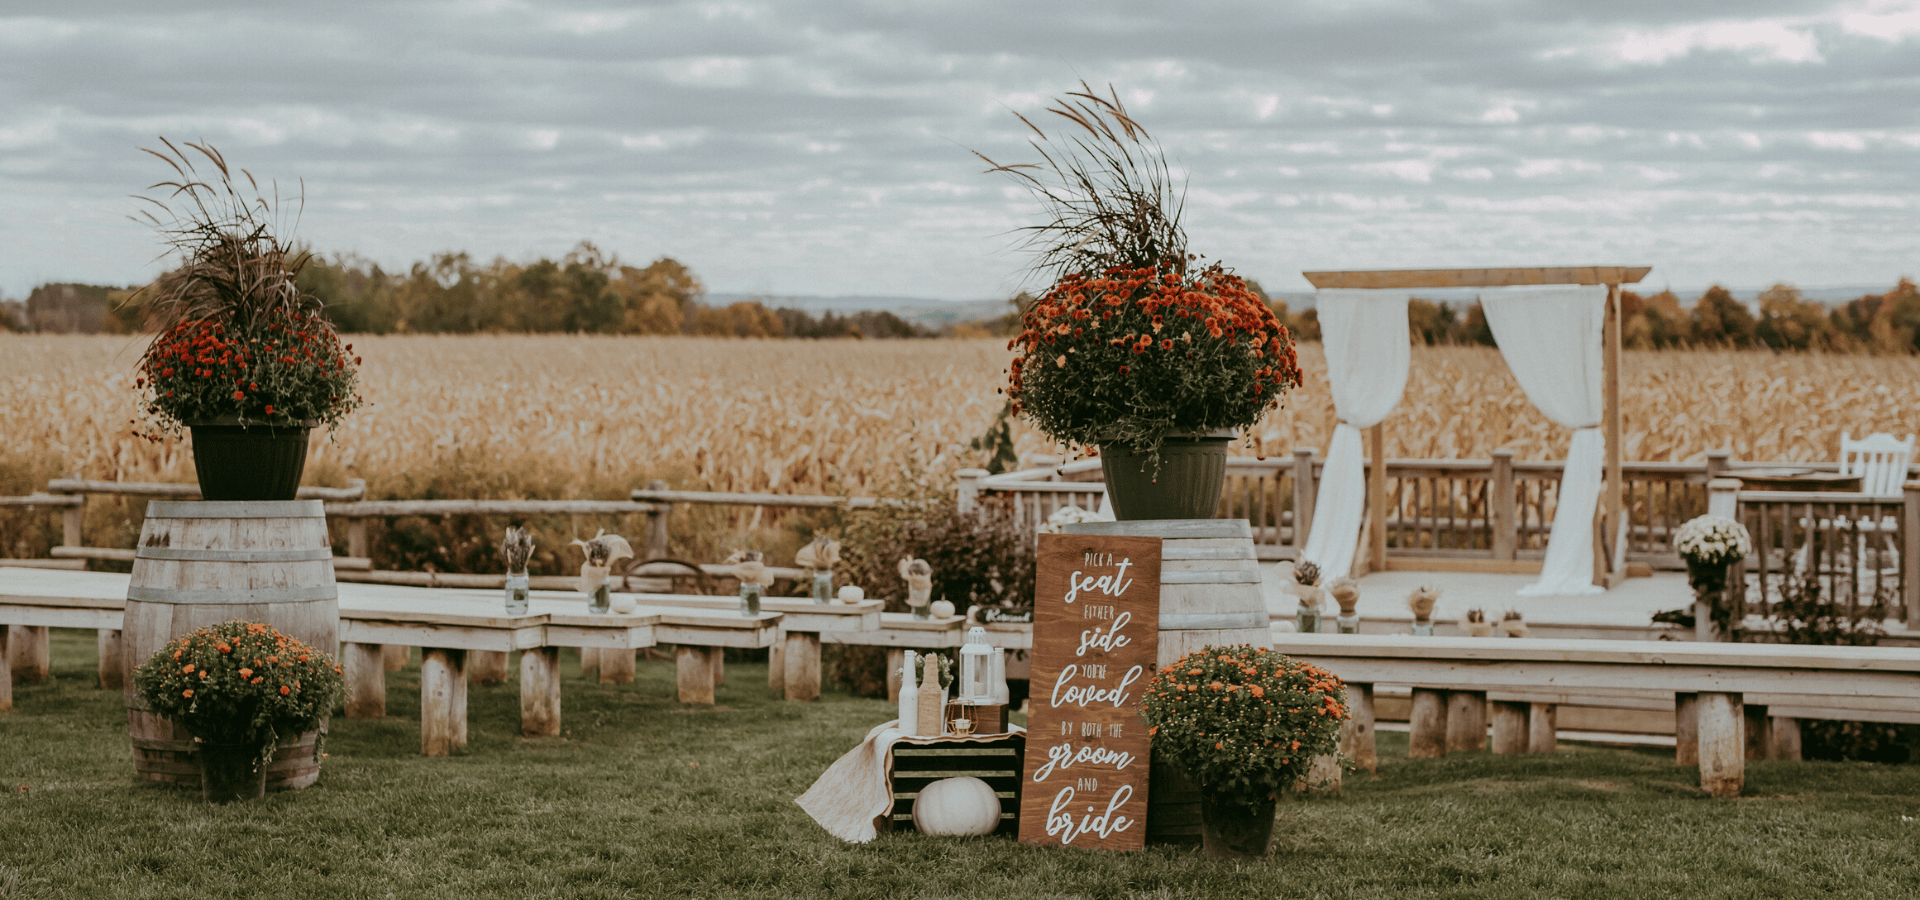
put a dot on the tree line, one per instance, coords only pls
(588, 291)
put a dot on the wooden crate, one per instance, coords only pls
(996, 762)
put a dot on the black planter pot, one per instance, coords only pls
(1185, 485)
(253, 462)
(231, 773)
(1236, 828)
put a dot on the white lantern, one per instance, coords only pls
(976, 669)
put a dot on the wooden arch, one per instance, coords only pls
(1610, 562)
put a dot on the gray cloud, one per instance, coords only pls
(823, 147)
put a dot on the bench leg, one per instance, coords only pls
(896, 658)
(1510, 725)
(487, 666)
(1723, 756)
(1783, 738)
(616, 665)
(1686, 729)
(1466, 721)
(1428, 724)
(6, 672)
(719, 666)
(113, 675)
(443, 701)
(31, 653)
(1356, 735)
(1542, 734)
(540, 691)
(397, 656)
(590, 663)
(777, 665)
(366, 681)
(695, 674)
(803, 666)
(1754, 733)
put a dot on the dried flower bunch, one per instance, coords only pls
(942, 665)
(602, 552)
(822, 552)
(237, 338)
(1421, 601)
(749, 568)
(1346, 592)
(1712, 541)
(516, 549)
(1243, 723)
(241, 683)
(1131, 343)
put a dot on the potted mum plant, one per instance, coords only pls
(1710, 545)
(1243, 724)
(1136, 348)
(243, 359)
(239, 687)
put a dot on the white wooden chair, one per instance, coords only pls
(1881, 461)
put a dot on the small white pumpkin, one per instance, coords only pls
(940, 609)
(956, 806)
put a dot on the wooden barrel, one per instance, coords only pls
(1210, 595)
(201, 563)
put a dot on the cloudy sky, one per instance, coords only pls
(822, 147)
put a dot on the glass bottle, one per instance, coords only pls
(823, 586)
(602, 599)
(749, 599)
(1348, 624)
(1423, 627)
(517, 592)
(1308, 620)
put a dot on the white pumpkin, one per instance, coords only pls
(956, 806)
(940, 609)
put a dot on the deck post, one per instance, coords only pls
(540, 691)
(357, 538)
(1910, 554)
(1377, 499)
(1723, 497)
(1427, 737)
(1718, 461)
(967, 495)
(1613, 497)
(656, 544)
(1304, 490)
(1501, 506)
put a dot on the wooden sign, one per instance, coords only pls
(1096, 630)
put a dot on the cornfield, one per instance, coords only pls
(571, 416)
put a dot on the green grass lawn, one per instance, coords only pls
(642, 797)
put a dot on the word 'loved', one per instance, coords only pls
(1091, 694)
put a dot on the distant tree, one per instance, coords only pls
(1474, 328)
(1720, 319)
(658, 298)
(746, 318)
(68, 308)
(1789, 322)
(13, 315)
(1431, 323)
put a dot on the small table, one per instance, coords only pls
(995, 759)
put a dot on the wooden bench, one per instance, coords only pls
(1451, 678)
(793, 658)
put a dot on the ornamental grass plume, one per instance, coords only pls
(602, 552)
(1346, 592)
(516, 549)
(1421, 602)
(241, 683)
(1133, 342)
(749, 568)
(1243, 723)
(237, 338)
(822, 552)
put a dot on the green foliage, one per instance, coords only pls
(1243, 723)
(1129, 356)
(997, 443)
(240, 683)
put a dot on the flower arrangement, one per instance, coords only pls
(237, 338)
(241, 683)
(1133, 342)
(1712, 541)
(1243, 723)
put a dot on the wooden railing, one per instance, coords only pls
(1858, 552)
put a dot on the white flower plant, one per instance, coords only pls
(1712, 541)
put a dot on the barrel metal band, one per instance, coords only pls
(1239, 577)
(233, 595)
(236, 509)
(1223, 621)
(311, 554)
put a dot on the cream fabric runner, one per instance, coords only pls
(1367, 343)
(856, 793)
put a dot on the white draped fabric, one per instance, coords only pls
(1551, 338)
(1365, 336)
